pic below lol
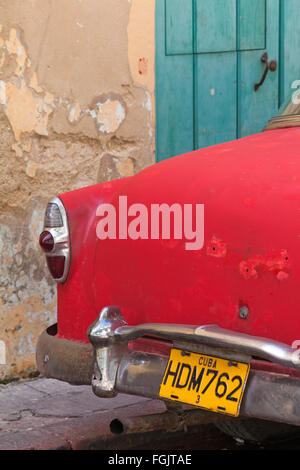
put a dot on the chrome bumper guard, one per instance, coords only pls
(268, 396)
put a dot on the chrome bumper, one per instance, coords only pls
(268, 396)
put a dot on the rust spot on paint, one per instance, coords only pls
(143, 66)
(248, 269)
(216, 248)
(282, 276)
(276, 264)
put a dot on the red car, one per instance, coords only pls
(204, 308)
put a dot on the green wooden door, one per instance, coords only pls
(208, 60)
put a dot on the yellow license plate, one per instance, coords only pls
(209, 382)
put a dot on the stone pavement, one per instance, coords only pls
(48, 414)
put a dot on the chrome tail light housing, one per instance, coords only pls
(55, 240)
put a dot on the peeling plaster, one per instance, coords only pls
(34, 84)
(141, 53)
(2, 59)
(27, 113)
(72, 112)
(110, 116)
(2, 92)
(31, 169)
(126, 167)
(28, 106)
(18, 150)
(14, 46)
(75, 113)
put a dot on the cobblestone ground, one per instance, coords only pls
(48, 414)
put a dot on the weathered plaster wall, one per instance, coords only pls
(76, 108)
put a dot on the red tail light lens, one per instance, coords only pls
(56, 265)
(46, 242)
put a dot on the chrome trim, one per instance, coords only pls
(268, 396)
(107, 330)
(107, 357)
(119, 370)
(61, 235)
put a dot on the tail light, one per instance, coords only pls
(55, 240)
(46, 241)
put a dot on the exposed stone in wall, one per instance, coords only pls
(27, 295)
(112, 167)
(71, 114)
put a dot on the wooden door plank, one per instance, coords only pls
(179, 26)
(252, 27)
(216, 101)
(174, 94)
(216, 25)
(256, 108)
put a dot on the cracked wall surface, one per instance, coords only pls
(76, 108)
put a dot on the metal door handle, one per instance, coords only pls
(272, 66)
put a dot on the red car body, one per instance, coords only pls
(246, 277)
(251, 192)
